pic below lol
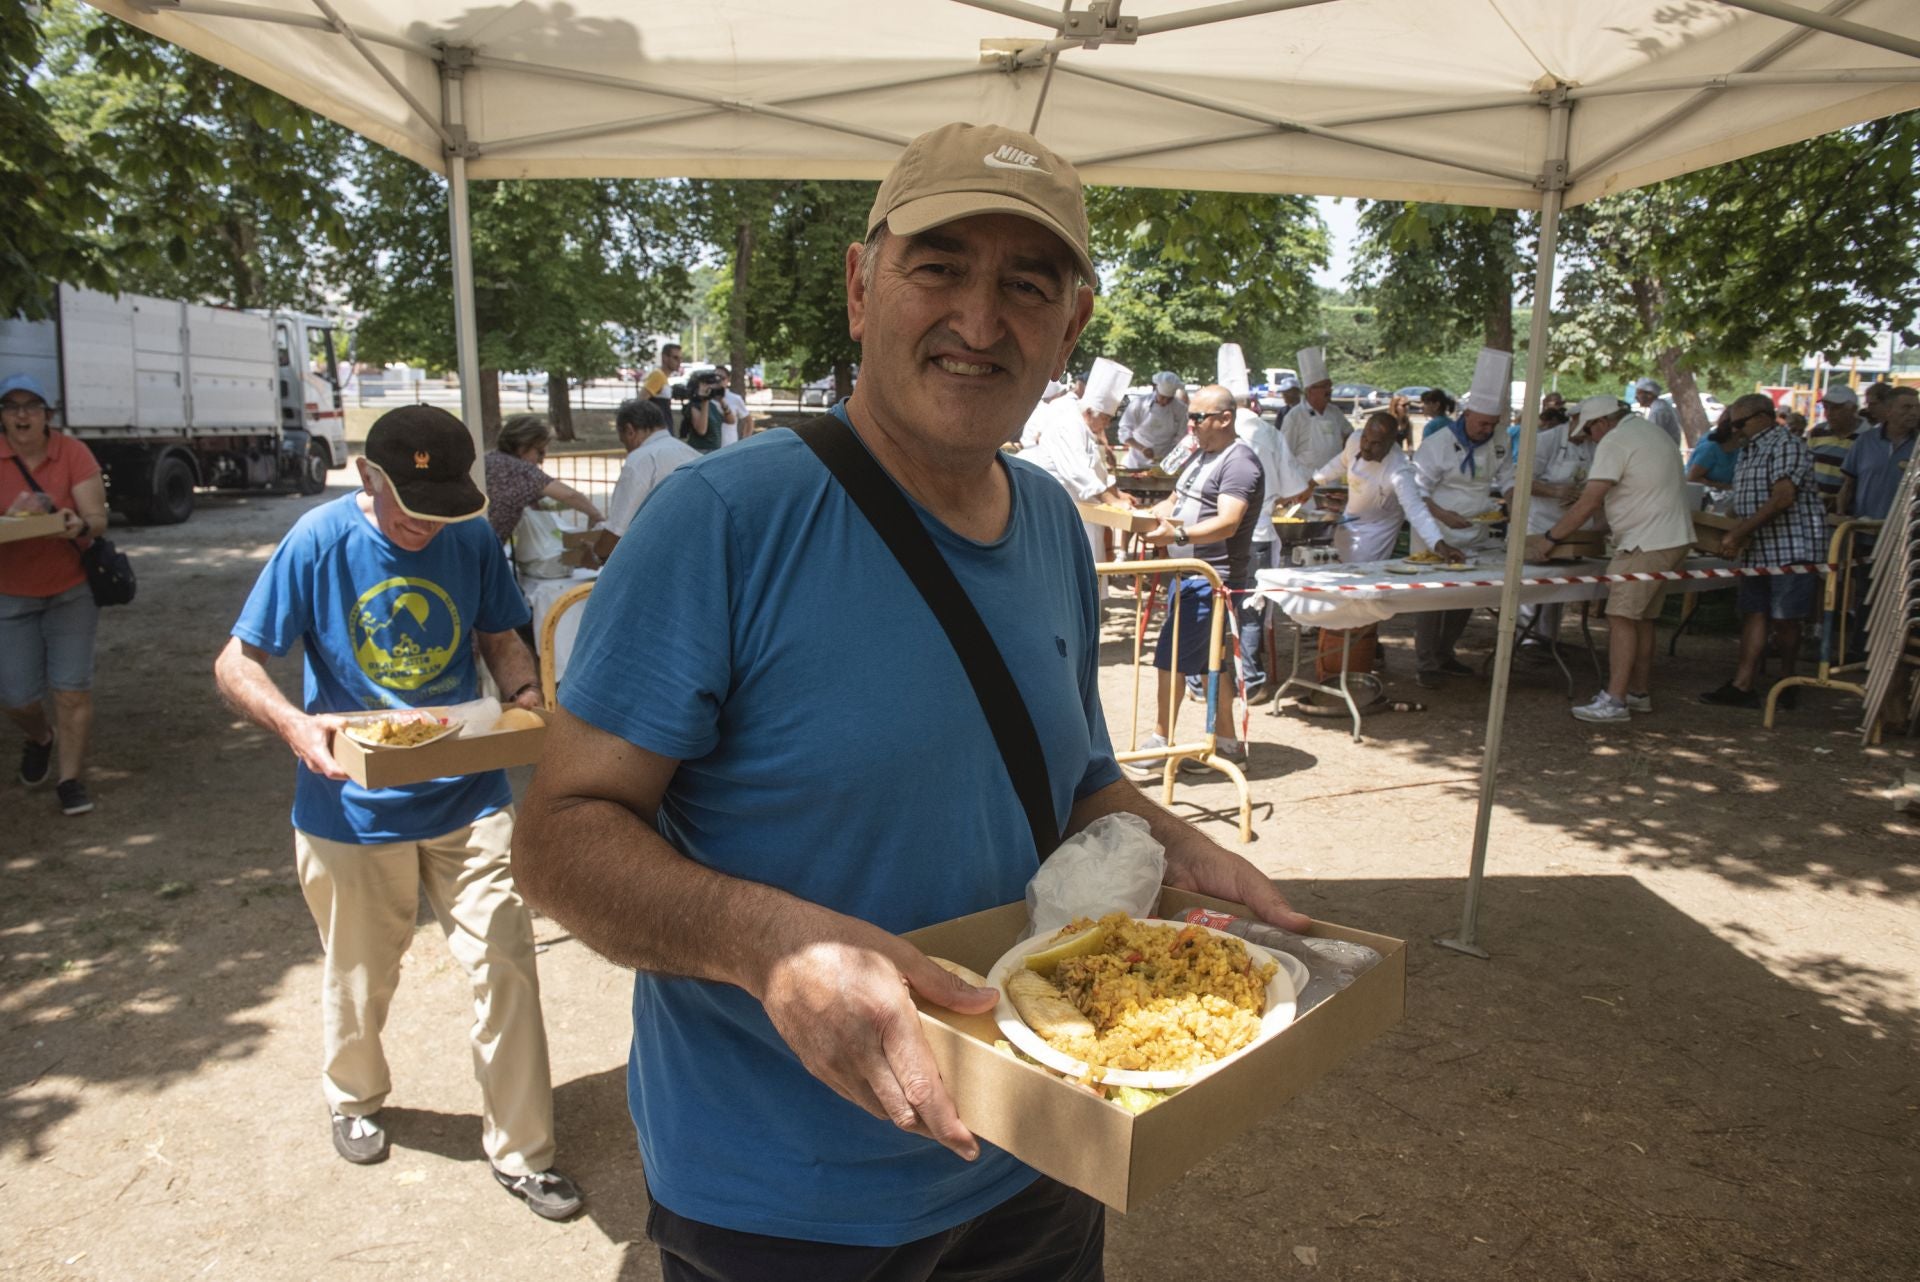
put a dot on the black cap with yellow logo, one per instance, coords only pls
(426, 454)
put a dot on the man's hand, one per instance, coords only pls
(1448, 553)
(1160, 535)
(1731, 546)
(311, 738)
(1208, 868)
(1451, 519)
(845, 1006)
(72, 524)
(529, 698)
(1538, 546)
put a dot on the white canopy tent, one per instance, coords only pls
(1534, 104)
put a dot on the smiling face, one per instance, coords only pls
(407, 532)
(961, 327)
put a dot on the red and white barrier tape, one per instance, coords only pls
(1563, 580)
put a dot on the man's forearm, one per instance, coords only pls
(1121, 797)
(510, 662)
(243, 682)
(623, 890)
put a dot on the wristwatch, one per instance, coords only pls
(1179, 531)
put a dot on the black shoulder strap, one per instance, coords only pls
(892, 517)
(31, 483)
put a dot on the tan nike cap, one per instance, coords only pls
(960, 170)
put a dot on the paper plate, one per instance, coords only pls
(1282, 995)
(354, 731)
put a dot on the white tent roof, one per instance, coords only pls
(1405, 99)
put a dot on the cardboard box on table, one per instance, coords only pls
(40, 525)
(517, 741)
(1121, 1158)
(1581, 545)
(1708, 529)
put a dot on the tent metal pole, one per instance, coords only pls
(383, 71)
(466, 311)
(1554, 186)
(1754, 80)
(1826, 22)
(313, 22)
(1219, 13)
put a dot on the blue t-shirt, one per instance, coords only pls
(1718, 462)
(381, 627)
(1876, 466)
(753, 626)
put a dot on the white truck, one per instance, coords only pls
(172, 397)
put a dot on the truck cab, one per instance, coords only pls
(308, 384)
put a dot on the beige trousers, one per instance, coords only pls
(364, 900)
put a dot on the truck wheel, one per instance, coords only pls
(313, 469)
(172, 500)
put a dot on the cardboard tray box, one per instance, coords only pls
(1127, 519)
(39, 526)
(1708, 529)
(1579, 546)
(1099, 1148)
(518, 743)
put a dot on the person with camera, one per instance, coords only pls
(704, 417)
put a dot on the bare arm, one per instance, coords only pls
(838, 990)
(88, 517)
(241, 675)
(561, 492)
(1194, 861)
(1843, 502)
(1219, 526)
(1779, 500)
(512, 666)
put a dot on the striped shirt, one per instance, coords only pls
(1796, 535)
(1829, 458)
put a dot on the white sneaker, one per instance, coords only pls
(1149, 767)
(1603, 708)
(1639, 702)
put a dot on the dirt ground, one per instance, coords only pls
(1691, 1056)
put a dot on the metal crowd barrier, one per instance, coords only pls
(588, 469)
(1202, 747)
(549, 629)
(1838, 600)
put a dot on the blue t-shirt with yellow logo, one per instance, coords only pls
(382, 627)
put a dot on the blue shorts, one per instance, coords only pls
(46, 641)
(1780, 596)
(1195, 607)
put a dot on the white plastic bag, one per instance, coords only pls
(1111, 865)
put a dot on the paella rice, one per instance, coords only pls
(1162, 997)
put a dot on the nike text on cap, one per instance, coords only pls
(426, 454)
(958, 171)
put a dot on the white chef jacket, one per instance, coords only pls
(1068, 452)
(1284, 475)
(1437, 469)
(1314, 438)
(1379, 497)
(1146, 425)
(1557, 460)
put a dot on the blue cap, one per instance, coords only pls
(24, 383)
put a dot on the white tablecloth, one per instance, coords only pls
(1353, 596)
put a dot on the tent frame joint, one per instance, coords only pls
(1101, 22)
(454, 60)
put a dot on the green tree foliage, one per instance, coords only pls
(53, 184)
(797, 307)
(735, 218)
(1183, 272)
(214, 188)
(561, 269)
(1441, 275)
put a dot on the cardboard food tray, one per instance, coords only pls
(38, 526)
(1708, 529)
(1120, 1158)
(1579, 546)
(462, 754)
(1127, 519)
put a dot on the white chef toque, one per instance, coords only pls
(1313, 365)
(1106, 384)
(1231, 369)
(1492, 373)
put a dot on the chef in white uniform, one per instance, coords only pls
(1286, 482)
(1152, 425)
(1030, 432)
(1073, 444)
(1314, 430)
(1382, 495)
(1459, 471)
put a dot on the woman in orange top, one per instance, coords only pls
(47, 614)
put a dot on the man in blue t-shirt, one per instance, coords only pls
(388, 592)
(769, 763)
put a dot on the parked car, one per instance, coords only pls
(1413, 394)
(820, 393)
(1357, 396)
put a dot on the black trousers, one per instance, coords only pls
(1045, 1233)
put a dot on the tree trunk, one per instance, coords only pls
(1686, 394)
(489, 407)
(1499, 321)
(737, 304)
(559, 408)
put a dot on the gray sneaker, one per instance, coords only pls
(1603, 708)
(1234, 750)
(360, 1140)
(1639, 702)
(548, 1194)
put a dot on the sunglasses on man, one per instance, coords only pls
(1195, 416)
